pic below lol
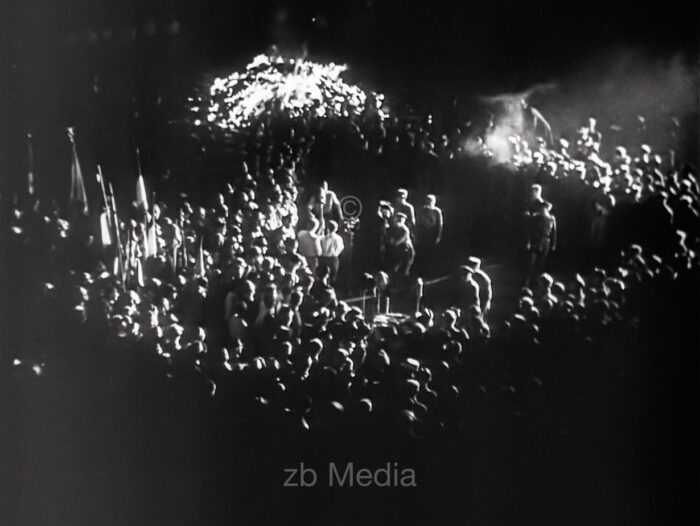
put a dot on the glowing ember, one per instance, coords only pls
(296, 87)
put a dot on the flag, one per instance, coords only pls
(141, 196)
(145, 247)
(150, 232)
(106, 214)
(106, 205)
(152, 235)
(78, 195)
(105, 229)
(200, 270)
(128, 256)
(139, 273)
(117, 236)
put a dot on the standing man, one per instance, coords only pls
(535, 201)
(466, 292)
(399, 247)
(331, 208)
(309, 240)
(332, 246)
(402, 205)
(429, 225)
(385, 217)
(325, 205)
(484, 281)
(542, 237)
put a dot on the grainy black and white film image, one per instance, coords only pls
(364, 262)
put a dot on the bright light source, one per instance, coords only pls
(298, 87)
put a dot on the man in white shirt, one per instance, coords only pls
(309, 240)
(332, 246)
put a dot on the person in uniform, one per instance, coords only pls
(429, 225)
(466, 291)
(542, 237)
(535, 202)
(402, 205)
(399, 251)
(484, 282)
(325, 206)
(384, 219)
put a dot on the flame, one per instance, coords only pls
(298, 87)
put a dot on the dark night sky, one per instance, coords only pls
(485, 38)
(429, 52)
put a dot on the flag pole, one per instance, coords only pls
(138, 161)
(101, 182)
(31, 183)
(129, 249)
(184, 242)
(77, 186)
(152, 230)
(117, 234)
(200, 271)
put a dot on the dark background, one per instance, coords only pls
(614, 57)
(431, 49)
(119, 71)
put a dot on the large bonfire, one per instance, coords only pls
(297, 87)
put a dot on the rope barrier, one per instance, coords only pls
(438, 280)
(372, 296)
(359, 298)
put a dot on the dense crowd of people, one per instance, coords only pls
(235, 299)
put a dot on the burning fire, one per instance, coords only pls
(297, 87)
